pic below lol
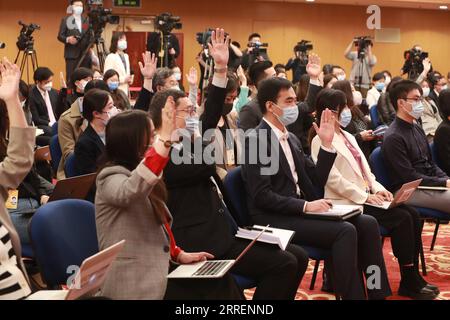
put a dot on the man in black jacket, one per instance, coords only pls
(283, 183)
(407, 153)
(73, 32)
(441, 139)
(200, 217)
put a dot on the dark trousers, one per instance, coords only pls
(355, 246)
(277, 273)
(405, 229)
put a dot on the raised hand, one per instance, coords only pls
(148, 69)
(9, 88)
(327, 128)
(426, 65)
(219, 48)
(192, 77)
(242, 77)
(168, 127)
(314, 67)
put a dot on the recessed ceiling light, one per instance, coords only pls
(443, 7)
(310, 0)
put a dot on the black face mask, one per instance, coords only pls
(227, 108)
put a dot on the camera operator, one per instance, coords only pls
(154, 45)
(363, 61)
(71, 33)
(255, 52)
(414, 64)
(300, 60)
(235, 56)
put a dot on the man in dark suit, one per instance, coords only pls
(43, 100)
(73, 33)
(250, 116)
(441, 140)
(199, 213)
(283, 183)
(439, 83)
(154, 46)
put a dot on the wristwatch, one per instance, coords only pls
(222, 70)
(167, 144)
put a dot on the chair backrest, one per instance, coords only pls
(235, 188)
(434, 154)
(374, 117)
(55, 129)
(379, 169)
(55, 152)
(63, 234)
(70, 166)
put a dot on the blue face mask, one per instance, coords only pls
(345, 118)
(290, 115)
(113, 86)
(416, 110)
(380, 86)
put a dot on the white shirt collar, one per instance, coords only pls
(280, 134)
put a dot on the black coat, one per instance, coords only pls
(144, 100)
(199, 223)
(154, 46)
(72, 52)
(88, 150)
(442, 145)
(277, 193)
(38, 107)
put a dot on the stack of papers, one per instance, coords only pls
(280, 237)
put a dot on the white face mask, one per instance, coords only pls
(426, 92)
(387, 80)
(357, 98)
(122, 45)
(341, 77)
(77, 10)
(177, 76)
(444, 87)
(81, 85)
(177, 87)
(48, 87)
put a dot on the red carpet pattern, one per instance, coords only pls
(437, 262)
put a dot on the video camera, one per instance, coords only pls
(414, 55)
(258, 48)
(166, 22)
(99, 16)
(203, 38)
(303, 46)
(25, 39)
(362, 43)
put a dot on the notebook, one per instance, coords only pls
(280, 237)
(89, 278)
(433, 188)
(73, 188)
(401, 196)
(212, 268)
(336, 213)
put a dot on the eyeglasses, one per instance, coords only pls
(190, 112)
(420, 99)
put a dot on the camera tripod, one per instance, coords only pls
(28, 59)
(96, 41)
(361, 71)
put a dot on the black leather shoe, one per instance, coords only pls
(421, 294)
(433, 288)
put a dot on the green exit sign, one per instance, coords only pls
(127, 3)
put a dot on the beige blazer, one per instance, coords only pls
(13, 169)
(113, 61)
(68, 134)
(124, 212)
(346, 182)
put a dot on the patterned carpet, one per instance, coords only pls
(438, 267)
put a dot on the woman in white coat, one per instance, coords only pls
(351, 182)
(119, 61)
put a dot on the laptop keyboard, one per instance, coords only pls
(211, 268)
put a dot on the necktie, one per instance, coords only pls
(51, 116)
